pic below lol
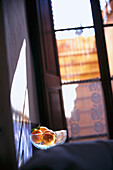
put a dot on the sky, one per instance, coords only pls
(71, 13)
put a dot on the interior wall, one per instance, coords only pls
(7, 149)
(13, 31)
(16, 32)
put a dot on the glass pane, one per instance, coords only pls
(84, 109)
(71, 13)
(109, 43)
(77, 55)
(107, 11)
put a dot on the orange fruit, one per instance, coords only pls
(36, 136)
(48, 137)
(43, 128)
(35, 131)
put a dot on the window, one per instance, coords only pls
(86, 73)
(83, 31)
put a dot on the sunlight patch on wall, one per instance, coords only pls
(19, 92)
(20, 109)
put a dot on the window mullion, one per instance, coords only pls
(103, 64)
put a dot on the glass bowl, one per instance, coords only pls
(60, 138)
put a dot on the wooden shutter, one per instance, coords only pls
(46, 65)
(52, 83)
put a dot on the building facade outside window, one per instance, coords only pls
(84, 88)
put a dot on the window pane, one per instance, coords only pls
(71, 13)
(107, 11)
(109, 43)
(77, 55)
(84, 109)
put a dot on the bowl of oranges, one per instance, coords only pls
(44, 138)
